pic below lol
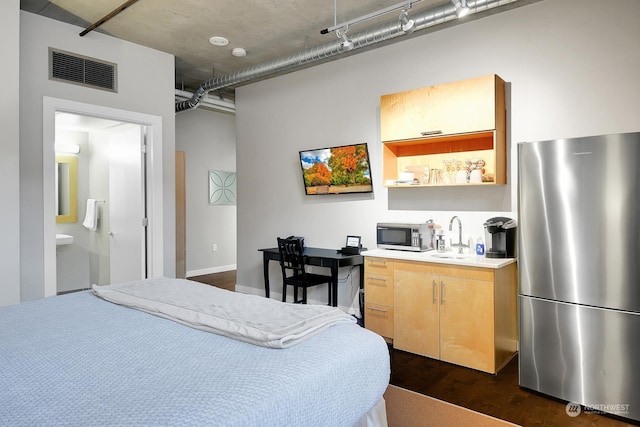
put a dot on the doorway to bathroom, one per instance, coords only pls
(118, 214)
(105, 241)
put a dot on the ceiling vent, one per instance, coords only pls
(82, 70)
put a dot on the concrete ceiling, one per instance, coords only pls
(266, 29)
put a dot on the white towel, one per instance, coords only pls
(91, 216)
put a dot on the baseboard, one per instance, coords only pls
(211, 270)
(255, 291)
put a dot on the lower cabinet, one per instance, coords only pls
(417, 310)
(467, 323)
(458, 314)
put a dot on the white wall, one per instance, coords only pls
(572, 70)
(139, 91)
(9, 153)
(209, 141)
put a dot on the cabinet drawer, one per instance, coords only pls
(379, 319)
(378, 265)
(378, 289)
(449, 270)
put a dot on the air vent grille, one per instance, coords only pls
(81, 70)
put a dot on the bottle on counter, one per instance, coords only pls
(479, 247)
(471, 249)
(440, 243)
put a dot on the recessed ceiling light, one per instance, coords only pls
(239, 52)
(218, 41)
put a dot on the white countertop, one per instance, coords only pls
(432, 256)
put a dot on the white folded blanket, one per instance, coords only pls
(249, 318)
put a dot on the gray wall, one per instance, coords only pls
(138, 91)
(572, 70)
(209, 141)
(9, 154)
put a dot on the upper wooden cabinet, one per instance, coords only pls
(442, 126)
(472, 105)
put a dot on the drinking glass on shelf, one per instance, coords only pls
(449, 170)
(480, 166)
(425, 175)
(435, 176)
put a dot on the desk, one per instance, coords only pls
(324, 258)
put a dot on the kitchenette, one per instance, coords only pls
(454, 301)
(431, 290)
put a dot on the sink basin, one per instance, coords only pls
(451, 256)
(63, 239)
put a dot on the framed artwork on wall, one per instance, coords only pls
(222, 188)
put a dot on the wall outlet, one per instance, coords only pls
(214, 248)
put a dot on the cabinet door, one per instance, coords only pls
(416, 312)
(446, 109)
(467, 323)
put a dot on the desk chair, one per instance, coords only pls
(294, 272)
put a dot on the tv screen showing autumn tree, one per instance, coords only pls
(337, 170)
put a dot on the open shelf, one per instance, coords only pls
(422, 156)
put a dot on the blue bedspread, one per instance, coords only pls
(79, 360)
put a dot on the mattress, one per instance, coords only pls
(77, 360)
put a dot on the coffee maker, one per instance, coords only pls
(500, 235)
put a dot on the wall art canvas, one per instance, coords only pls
(222, 188)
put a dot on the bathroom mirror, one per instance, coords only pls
(66, 184)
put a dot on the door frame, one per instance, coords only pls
(154, 174)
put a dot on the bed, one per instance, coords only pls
(78, 359)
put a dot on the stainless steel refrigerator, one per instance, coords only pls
(579, 271)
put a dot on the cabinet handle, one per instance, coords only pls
(442, 292)
(379, 279)
(431, 132)
(377, 309)
(435, 292)
(375, 261)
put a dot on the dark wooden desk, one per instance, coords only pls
(324, 258)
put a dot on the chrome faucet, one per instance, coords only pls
(460, 245)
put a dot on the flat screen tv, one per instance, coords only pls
(336, 170)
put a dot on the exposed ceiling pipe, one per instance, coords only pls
(211, 102)
(431, 17)
(107, 17)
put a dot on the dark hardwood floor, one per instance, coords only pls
(225, 280)
(497, 395)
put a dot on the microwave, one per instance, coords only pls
(406, 237)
